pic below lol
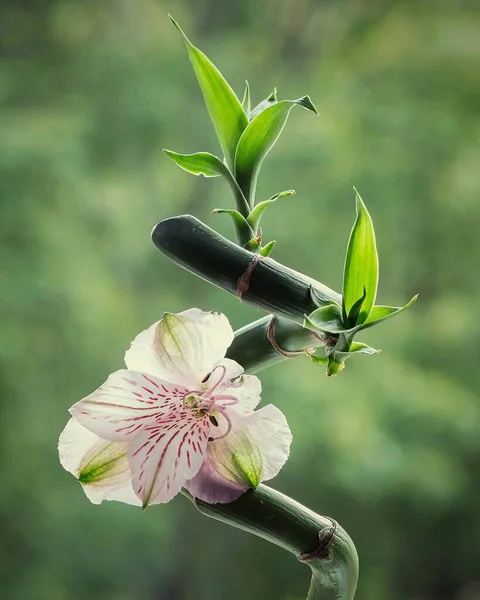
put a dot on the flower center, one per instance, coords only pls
(208, 403)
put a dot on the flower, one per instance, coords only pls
(182, 415)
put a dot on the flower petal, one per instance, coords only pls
(208, 485)
(164, 456)
(126, 403)
(181, 347)
(101, 466)
(254, 451)
(269, 431)
(246, 389)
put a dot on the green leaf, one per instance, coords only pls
(336, 361)
(204, 163)
(327, 318)
(257, 212)
(361, 265)
(258, 138)
(243, 229)
(358, 347)
(246, 100)
(268, 248)
(356, 308)
(355, 348)
(269, 100)
(380, 313)
(224, 108)
(200, 163)
(254, 245)
(320, 298)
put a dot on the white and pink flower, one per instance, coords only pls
(182, 415)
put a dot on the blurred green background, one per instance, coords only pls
(91, 91)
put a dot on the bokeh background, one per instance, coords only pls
(90, 92)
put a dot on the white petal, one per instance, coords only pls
(126, 403)
(100, 466)
(164, 456)
(269, 431)
(181, 347)
(246, 389)
(255, 450)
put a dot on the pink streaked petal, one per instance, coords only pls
(101, 466)
(164, 456)
(246, 389)
(255, 450)
(181, 347)
(126, 403)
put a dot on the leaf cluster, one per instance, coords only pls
(245, 136)
(358, 310)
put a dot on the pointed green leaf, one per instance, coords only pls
(258, 138)
(355, 310)
(355, 348)
(204, 163)
(246, 100)
(268, 248)
(358, 347)
(224, 108)
(271, 99)
(327, 318)
(380, 313)
(257, 212)
(200, 163)
(320, 298)
(253, 245)
(243, 229)
(361, 265)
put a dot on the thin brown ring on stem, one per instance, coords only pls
(273, 340)
(243, 282)
(325, 538)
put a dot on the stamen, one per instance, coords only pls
(208, 393)
(196, 401)
(227, 419)
(232, 400)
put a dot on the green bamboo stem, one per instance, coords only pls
(284, 522)
(254, 346)
(204, 252)
(262, 282)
